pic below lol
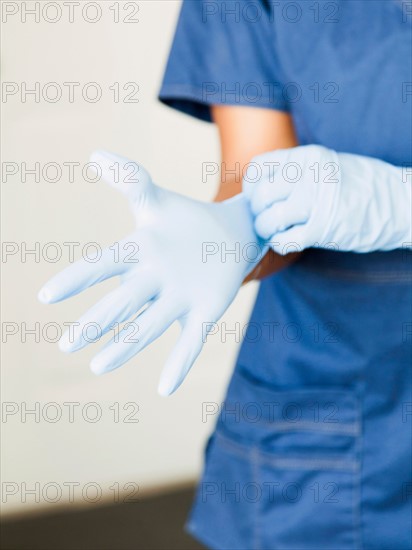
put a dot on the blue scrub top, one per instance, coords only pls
(329, 465)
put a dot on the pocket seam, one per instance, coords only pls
(352, 429)
(318, 463)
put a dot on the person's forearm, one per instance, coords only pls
(246, 132)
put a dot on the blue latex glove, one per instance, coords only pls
(186, 271)
(314, 197)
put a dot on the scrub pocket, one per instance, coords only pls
(282, 471)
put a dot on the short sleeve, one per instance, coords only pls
(223, 53)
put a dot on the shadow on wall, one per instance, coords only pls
(152, 523)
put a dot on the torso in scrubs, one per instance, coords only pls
(313, 447)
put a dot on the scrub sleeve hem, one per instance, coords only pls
(191, 100)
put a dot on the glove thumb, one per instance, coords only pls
(128, 177)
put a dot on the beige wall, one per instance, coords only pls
(165, 446)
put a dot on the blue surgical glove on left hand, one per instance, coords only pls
(311, 196)
(192, 260)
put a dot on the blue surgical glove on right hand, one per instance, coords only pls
(192, 260)
(311, 196)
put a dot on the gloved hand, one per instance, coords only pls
(311, 196)
(187, 270)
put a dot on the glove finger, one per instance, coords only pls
(135, 336)
(182, 357)
(292, 240)
(264, 167)
(267, 192)
(124, 175)
(118, 306)
(81, 275)
(280, 216)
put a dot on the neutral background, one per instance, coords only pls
(165, 446)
